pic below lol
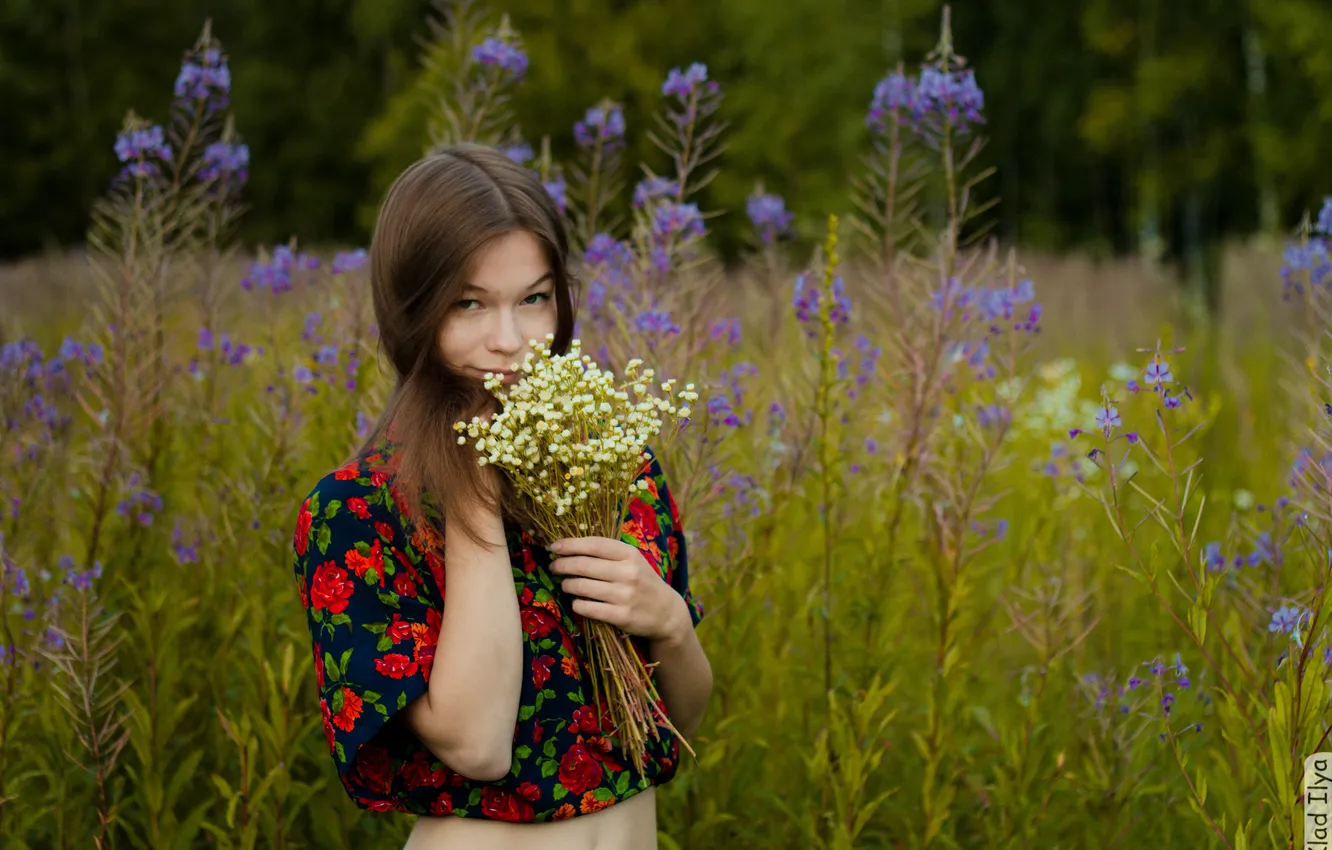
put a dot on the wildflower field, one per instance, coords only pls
(978, 571)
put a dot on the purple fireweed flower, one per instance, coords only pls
(205, 76)
(142, 144)
(992, 415)
(1324, 224)
(947, 99)
(657, 320)
(1312, 258)
(606, 250)
(682, 84)
(651, 188)
(670, 219)
(603, 124)
(807, 301)
(728, 328)
(276, 273)
(558, 191)
(327, 355)
(498, 53)
(84, 580)
(519, 153)
(302, 374)
(141, 502)
(1287, 619)
(1212, 557)
(776, 418)
(1264, 551)
(871, 445)
(719, 408)
(312, 321)
(233, 353)
(222, 158)
(1157, 373)
(184, 554)
(345, 261)
(1107, 418)
(768, 214)
(893, 102)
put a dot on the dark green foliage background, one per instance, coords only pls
(1217, 109)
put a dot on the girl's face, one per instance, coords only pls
(509, 300)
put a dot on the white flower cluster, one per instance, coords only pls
(571, 438)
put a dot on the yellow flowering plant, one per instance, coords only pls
(571, 437)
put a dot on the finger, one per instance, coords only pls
(603, 611)
(597, 547)
(585, 565)
(590, 588)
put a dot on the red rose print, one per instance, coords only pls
(529, 792)
(417, 773)
(328, 725)
(527, 596)
(502, 804)
(584, 720)
(537, 622)
(652, 487)
(403, 584)
(351, 709)
(529, 562)
(579, 771)
(541, 670)
(536, 733)
(372, 769)
(358, 506)
(331, 589)
(425, 656)
(303, 522)
(436, 565)
(361, 564)
(319, 667)
(347, 473)
(599, 748)
(304, 594)
(441, 807)
(379, 805)
(646, 515)
(399, 629)
(377, 479)
(395, 665)
(384, 529)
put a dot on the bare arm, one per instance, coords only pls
(467, 715)
(684, 675)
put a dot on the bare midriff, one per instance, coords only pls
(630, 824)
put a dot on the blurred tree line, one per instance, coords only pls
(1159, 126)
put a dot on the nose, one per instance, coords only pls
(505, 339)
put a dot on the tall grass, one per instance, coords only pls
(995, 551)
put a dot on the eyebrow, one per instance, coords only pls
(471, 287)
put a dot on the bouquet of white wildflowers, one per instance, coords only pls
(572, 441)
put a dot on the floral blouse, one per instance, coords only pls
(372, 583)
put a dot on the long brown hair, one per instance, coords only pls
(433, 222)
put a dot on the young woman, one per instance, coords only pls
(478, 715)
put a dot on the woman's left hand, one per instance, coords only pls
(617, 585)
